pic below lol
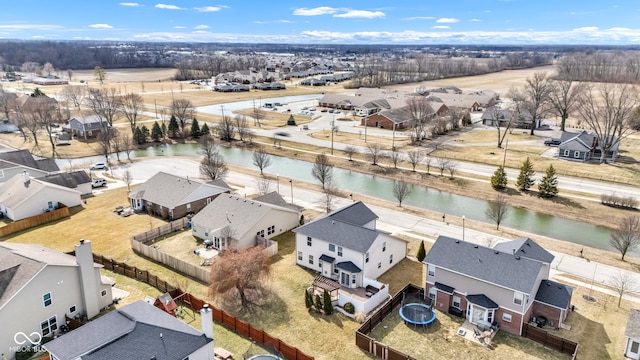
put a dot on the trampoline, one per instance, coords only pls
(417, 314)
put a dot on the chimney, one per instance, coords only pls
(89, 278)
(206, 318)
(25, 177)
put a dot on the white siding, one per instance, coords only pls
(395, 247)
(37, 203)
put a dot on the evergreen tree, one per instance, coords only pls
(173, 127)
(548, 186)
(195, 129)
(318, 303)
(204, 130)
(138, 137)
(308, 300)
(156, 132)
(163, 127)
(421, 252)
(37, 92)
(328, 307)
(499, 179)
(525, 178)
(145, 133)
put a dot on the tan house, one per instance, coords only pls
(40, 287)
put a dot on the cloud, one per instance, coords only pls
(587, 28)
(476, 20)
(179, 27)
(211, 8)
(202, 27)
(322, 10)
(168, 7)
(101, 26)
(447, 20)
(30, 27)
(419, 18)
(441, 27)
(363, 14)
(131, 4)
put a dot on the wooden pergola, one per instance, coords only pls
(324, 283)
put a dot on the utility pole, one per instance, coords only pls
(504, 159)
(332, 125)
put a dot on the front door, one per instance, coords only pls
(344, 279)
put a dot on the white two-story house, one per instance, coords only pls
(345, 247)
(506, 285)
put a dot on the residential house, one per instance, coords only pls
(17, 162)
(507, 285)
(464, 102)
(584, 146)
(349, 253)
(496, 116)
(41, 287)
(136, 331)
(77, 180)
(398, 118)
(7, 127)
(234, 222)
(86, 127)
(632, 333)
(172, 197)
(22, 197)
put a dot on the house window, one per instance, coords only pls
(432, 293)
(518, 298)
(49, 326)
(384, 246)
(366, 257)
(320, 264)
(566, 153)
(336, 271)
(391, 259)
(50, 204)
(456, 302)
(189, 207)
(379, 265)
(46, 299)
(339, 250)
(308, 240)
(103, 292)
(311, 259)
(576, 154)
(72, 309)
(260, 233)
(208, 201)
(332, 248)
(490, 316)
(353, 279)
(506, 317)
(300, 255)
(431, 270)
(635, 346)
(271, 229)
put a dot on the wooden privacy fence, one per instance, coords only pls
(201, 273)
(238, 326)
(61, 212)
(370, 345)
(175, 225)
(549, 340)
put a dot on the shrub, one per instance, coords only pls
(348, 307)
(421, 252)
(308, 300)
(619, 201)
(318, 302)
(328, 307)
(360, 317)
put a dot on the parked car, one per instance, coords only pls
(98, 182)
(99, 166)
(552, 142)
(282, 133)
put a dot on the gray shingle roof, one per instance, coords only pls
(275, 199)
(485, 264)
(633, 324)
(482, 300)
(446, 288)
(554, 294)
(70, 180)
(132, 332)
(348, 266)
(356, 214)
(525, 247)
(24, 157)
(171, 191)
(323, 257)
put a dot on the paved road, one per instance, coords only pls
(393, 221)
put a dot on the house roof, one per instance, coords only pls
(581, 141)
(633, 324)
(89, 119)
(70, 179)
(554, 294)
(237, 212)
(19, 263)
(15, 191)
(446, 288)
(24, 157)
(348, 266)
(170, 191)
(136, 331)
(401, 115)
(274, 198)
(327, 258)
(485, 264)
(525, 247)
(482, 300)
(356, 213)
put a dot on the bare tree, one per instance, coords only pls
(329, 193)
(127, 144)
(623, 283)
(537, 90)
(242, 128)
(240, 274)
(497, 210)
(626, 236)
(375, 150)
(394, 155)
(350, 150)
(183, 110)
(421, 113)
(609, 112)
(105, 104)
(563, 98)
(226, 128)
(48, 68)
(116, 144)
(264, 185)
(452, 166)
(401, 190)
(427, 162)
(131, 105)
(322, 169)
(213, 166)
(415, 157)
(99, 74)
(127, 177)
(261, 159)
(45, 114)
(74, 94)
(442, 164)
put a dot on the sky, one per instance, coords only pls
(411, 22)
